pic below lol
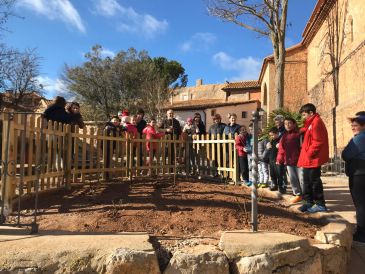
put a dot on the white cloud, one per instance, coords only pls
(200, 41)
(247, 68)
(129, 20)
(54, 87)
(107, 7)
(56, 10)
(107, 53)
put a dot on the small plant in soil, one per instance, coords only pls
(114, 212)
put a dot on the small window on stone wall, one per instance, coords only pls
(244, 114)
(213, 112)
(349, 30)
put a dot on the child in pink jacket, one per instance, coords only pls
(151, 133)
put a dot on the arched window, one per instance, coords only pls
(264, 99)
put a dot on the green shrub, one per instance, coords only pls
(285, 113)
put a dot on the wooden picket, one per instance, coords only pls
(64, 155)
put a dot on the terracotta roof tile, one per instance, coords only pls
(206, 103)
(243, 85)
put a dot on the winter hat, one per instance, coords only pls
(123, 112)
(279, 117)
(189, 120)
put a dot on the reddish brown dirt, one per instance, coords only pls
(171, 213)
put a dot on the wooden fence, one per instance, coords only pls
(42, 155)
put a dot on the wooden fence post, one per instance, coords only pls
(9, 166)
(68, 156)
(236, 172)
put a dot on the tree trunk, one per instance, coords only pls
(279, 75)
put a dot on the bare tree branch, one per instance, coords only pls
(271, 18)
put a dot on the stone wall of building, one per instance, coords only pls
(248, 108)
(295, 82)
(268, 88)
(199, 92)
(351, 77)
(243, 96)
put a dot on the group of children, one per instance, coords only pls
(276, 156)
(134, 125)
(300, 153)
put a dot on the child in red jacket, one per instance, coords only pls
(288, 154)
(313, 154)
(241, 142)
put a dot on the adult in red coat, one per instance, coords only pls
(314, 153)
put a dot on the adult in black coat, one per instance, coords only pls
(56, 112)
(171, 125)
(75, 116)
(198, 121)
(141, 123)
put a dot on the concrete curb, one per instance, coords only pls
(335, 239)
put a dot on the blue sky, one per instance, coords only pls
(62, 31)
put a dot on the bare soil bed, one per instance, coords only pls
(187, 213)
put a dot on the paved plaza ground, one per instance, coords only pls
(338, 199)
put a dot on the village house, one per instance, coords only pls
(29, 102)
(237, 97)
(326, 68)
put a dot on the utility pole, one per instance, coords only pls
(254, 166)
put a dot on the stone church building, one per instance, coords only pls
(327, 68)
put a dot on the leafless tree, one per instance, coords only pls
(333, 44)
(5, 12)
(19, 74)
(265, 17)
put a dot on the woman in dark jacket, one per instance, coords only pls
(354, 156)
(75, 116)
(56, 112)
(199, 123)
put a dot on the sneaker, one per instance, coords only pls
(262, 185)
(282, 190)
(296, 199)
(305, 207)
(248, 183)
(317, 208)
(273, 187)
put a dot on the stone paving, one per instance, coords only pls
(338, 199)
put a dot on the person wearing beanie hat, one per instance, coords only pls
(123, 113)
(354, 157)
(188, 127)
